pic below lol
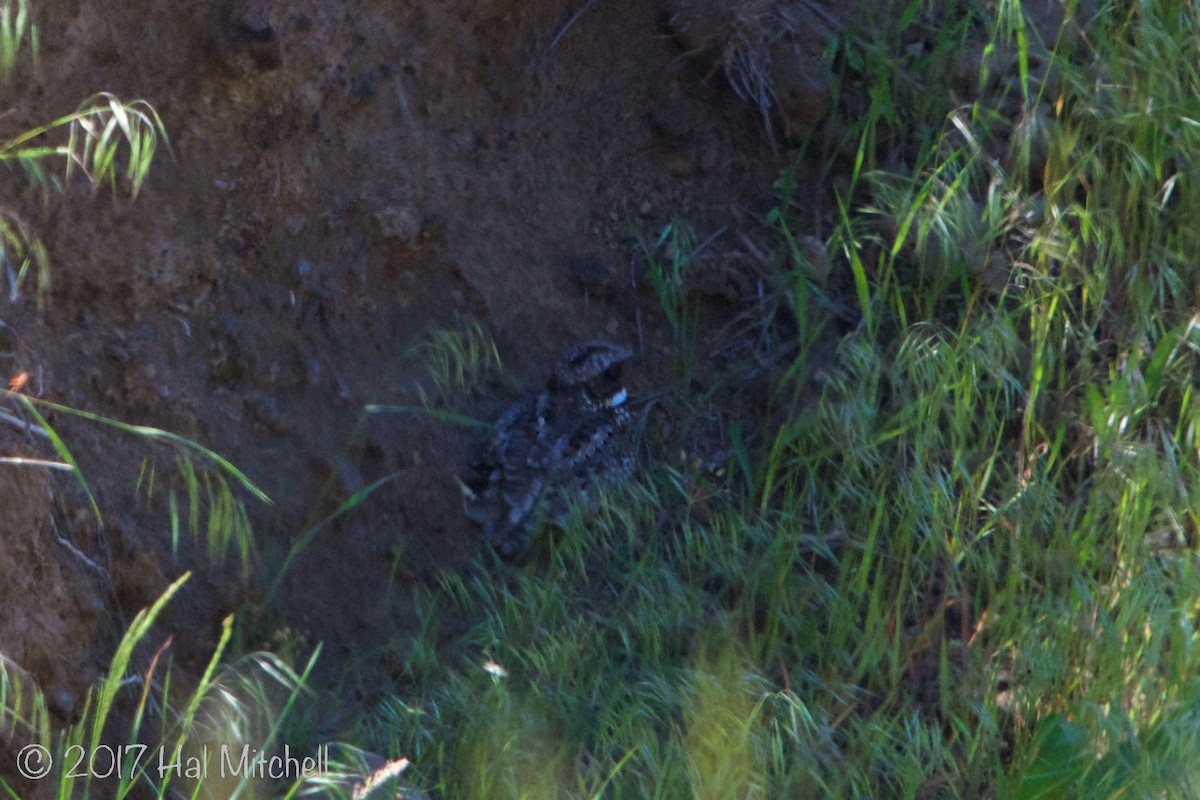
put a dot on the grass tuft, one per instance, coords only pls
(456, 361)
(201, 486)
(175, 732)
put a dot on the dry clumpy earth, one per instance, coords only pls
(345, 179)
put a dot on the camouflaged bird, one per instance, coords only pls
(551, 447)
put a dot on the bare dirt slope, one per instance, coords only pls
(345, 178)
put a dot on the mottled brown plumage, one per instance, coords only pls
(569, 436)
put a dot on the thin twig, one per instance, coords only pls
(17, 422)
(75, 551)
(575, 18)
(700, 247)
(35, 462)
(826, 17)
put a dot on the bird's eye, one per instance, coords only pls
(613, 372)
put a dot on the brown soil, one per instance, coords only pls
(345, 178)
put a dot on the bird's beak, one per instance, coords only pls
(618, 398)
